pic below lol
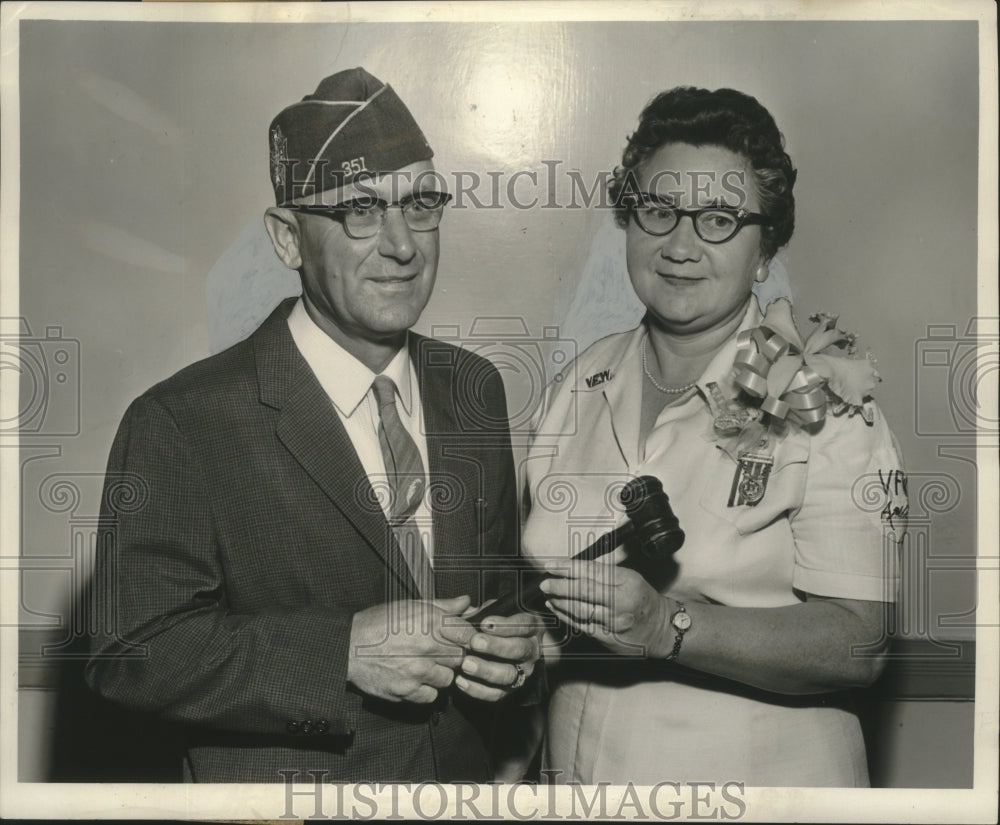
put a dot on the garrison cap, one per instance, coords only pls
(352, 126)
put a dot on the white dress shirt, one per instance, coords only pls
(348, 384)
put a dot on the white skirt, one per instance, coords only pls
(660, 730)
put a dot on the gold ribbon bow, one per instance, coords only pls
(793, 378)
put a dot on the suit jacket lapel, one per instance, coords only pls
(311, 430)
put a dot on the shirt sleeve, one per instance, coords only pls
(853, 514)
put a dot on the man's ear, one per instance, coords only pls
(283, 229)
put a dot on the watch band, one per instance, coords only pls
(681, 623)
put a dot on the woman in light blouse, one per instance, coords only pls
(734, 662)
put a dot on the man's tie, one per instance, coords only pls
(405, 472)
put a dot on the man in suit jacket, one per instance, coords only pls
(266, 591)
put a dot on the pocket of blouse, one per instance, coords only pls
(727, 492)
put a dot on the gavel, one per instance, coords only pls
(650, 521)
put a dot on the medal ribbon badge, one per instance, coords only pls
(750, 480)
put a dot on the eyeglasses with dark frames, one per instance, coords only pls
(363, 217)
(713, 224)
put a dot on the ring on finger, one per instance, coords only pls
(519, 677)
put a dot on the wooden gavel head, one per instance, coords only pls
(648, 508)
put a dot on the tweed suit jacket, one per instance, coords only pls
(239, 537)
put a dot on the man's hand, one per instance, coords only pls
(615, 605)
(407, 651)
(501, 656)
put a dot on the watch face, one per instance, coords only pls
(681, 621)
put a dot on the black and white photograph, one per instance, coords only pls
(499, 411)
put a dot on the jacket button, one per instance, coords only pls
(307, 726)
(322, 726)
(292, 726)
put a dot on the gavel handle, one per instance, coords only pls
(607, 543)
(531, 598)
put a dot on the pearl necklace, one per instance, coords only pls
(655, 383)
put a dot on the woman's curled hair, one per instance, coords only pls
(727, 118)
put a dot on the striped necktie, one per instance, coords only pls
(405, 472)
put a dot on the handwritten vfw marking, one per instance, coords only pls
(893, 483)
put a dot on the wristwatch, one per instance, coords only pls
(681, 623)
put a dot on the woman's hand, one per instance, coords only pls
(614, 605)
(501, 657)
(816, 646)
